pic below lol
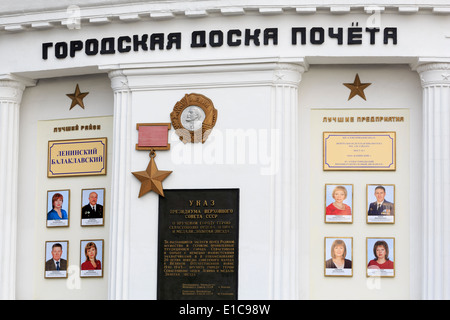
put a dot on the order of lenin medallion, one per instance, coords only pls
(193, 118)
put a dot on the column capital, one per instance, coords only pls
(433, 72)
(289, 72)
(12, 87)
(119, 81)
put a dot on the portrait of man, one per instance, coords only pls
(56, 259)
(92, 206)
(380, 203)
(192, 118)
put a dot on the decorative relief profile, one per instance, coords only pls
(193, 118)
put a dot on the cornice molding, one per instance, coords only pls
(75, 17)
(207, 73)
(433, 67)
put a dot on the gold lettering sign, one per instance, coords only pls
(359, 151)
(71, 158)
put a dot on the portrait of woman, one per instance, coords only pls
(337, 262)
(380, 257)
(57, 208)
(91, 258)
(338, 203)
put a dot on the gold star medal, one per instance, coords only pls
(151, 179)
(357, 88)
(77, 97)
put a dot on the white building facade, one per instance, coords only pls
(275, 72)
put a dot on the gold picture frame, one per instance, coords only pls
(333, 247)
(387, 267)
(332, 212)
(87, 269)
(89, 217)
(193, 118)
(59, 250)
(59, 217)
(384, 195)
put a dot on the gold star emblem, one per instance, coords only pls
(77, 98)
(357, 88)
(151, 179)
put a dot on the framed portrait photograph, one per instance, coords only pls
(380, 203)
(58, 204)
(338, 257)
(56, 259)
(92, 207)
(91, 258)
(338, 203)
(380, 257)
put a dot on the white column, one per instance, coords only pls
(11, 90)
(435, 255)
(120, 189)
(285, 185)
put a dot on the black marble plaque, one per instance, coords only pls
(198, 235)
